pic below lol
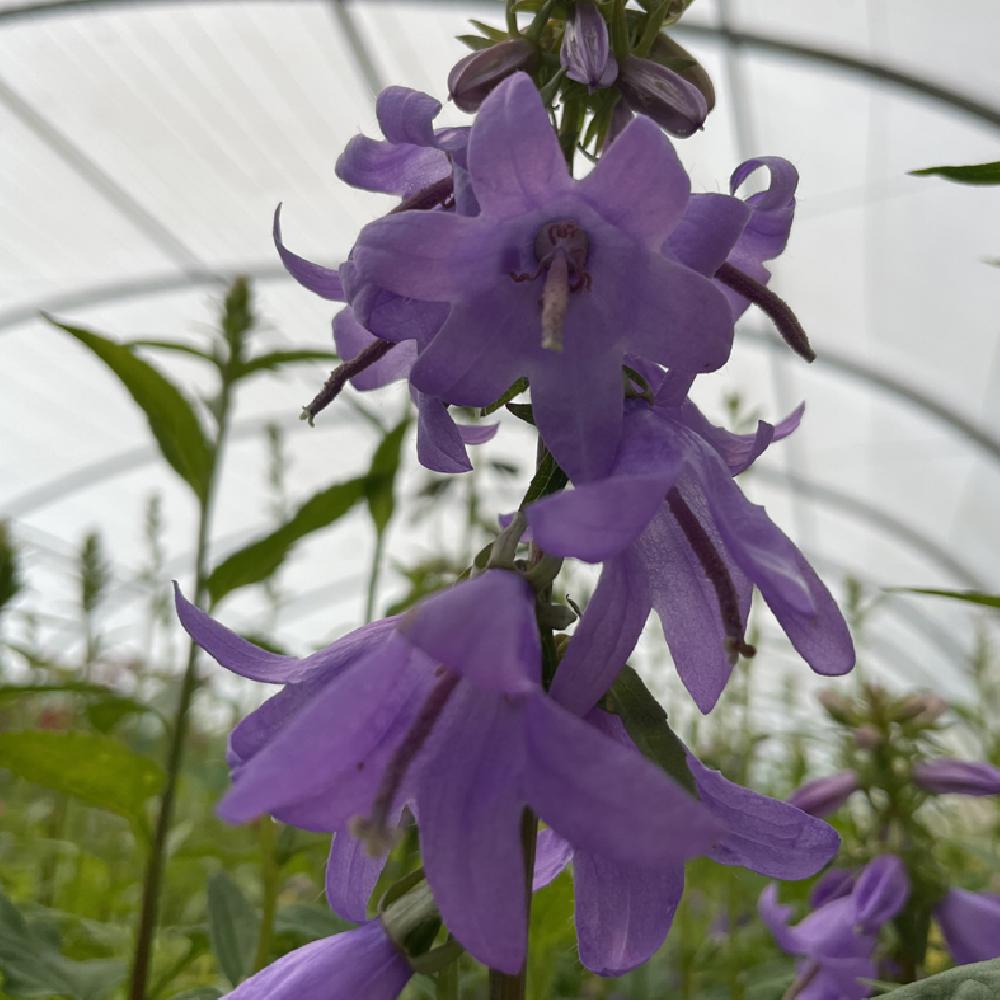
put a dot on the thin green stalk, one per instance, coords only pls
(268, 831)
(447, 982)
(374, 573)
(153, 877)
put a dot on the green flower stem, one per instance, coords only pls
(153, 877)
(374, 573)
(269, 876)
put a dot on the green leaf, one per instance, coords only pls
(549, 478)
(970, 596)
(521, 385)
(972, 173)
(523, 411)
(33, 967)
(198, 993)
(232, 927)
(488, 31)
(309, 921)
(258, 560)
(380, 483)
(968, 982)
(97, 769)
(276, 359)
(474, 42)
(646, 722)
(174, 346)
(108, 705)
(170, 415)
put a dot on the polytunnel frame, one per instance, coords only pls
(194, 273)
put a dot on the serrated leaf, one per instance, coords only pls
(258, 560)
(968, 982)
(972, 173)
(170, 416)
(647, 725)
(232, 927)
(276, 359)
(380, 483)
(33, 967)
(969, 596)
(91, 767)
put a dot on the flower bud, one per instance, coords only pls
(867, 737)
(970, 925)
(674, 56)
(880, 892)
(838, 707)
(675, 104)
(825, 795)
(957, 777)
(474, 76)
(585, 53)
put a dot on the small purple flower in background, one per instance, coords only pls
(362, 963)
(676, 534)
(970, 924)
(822, 796)
(588, 249)
(957, 777)
(837, 940)
(585, 52)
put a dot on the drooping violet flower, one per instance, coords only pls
(359, 963)
(624, 911)
(574, 265)
(650, 88)
(837, 940)
(585, 53)
(442, 711)
(822, 796)
(694, 557)
(970, 924)
(476, 75)
(957, 777)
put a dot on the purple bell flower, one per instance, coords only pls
(822, 796)
(442, 712)
(970, 923)
(585, 53)
(694, 558)
(588, 249)
(957, 777)
(837, 940)
(359, 963)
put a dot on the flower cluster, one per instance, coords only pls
(606, 297)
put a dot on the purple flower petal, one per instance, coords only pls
(406, 115)
(957, 777)
(323, 281)
(390, 167)
(440, 447)
(514, 157)
(351, 875)
(707, 231)
(591, 789)
(432, 256)
(771, 211)
(484, 629)
(347, 966)
(640, 159)
(970, 923)
(822, 796)
(880, 892)
(623, 913)
(833, 884)
(244, 658)
(763, 834)
(477, 433)
(351, 338)
(605, 637)
(585, 53)
(552, 854)
(470, 821)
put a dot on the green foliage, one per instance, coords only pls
(970, 596)
(646, 722)
(95, 573)
(258, 560)
(32, 965)
(171, 418)
(10, 574)
(380, 483)
(233, 926)
(105, 708)
(972, 173)
(968, 982)
(91, 767)
(278, 359)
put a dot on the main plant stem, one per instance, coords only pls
(153, 878)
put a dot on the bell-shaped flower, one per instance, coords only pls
(586, 53)
(957, 777)
(624, 910)
(837, 940)
(822, 796)
(442, 712)
(970, 924)
(555, 279)
(362, 962)
(675, 533)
